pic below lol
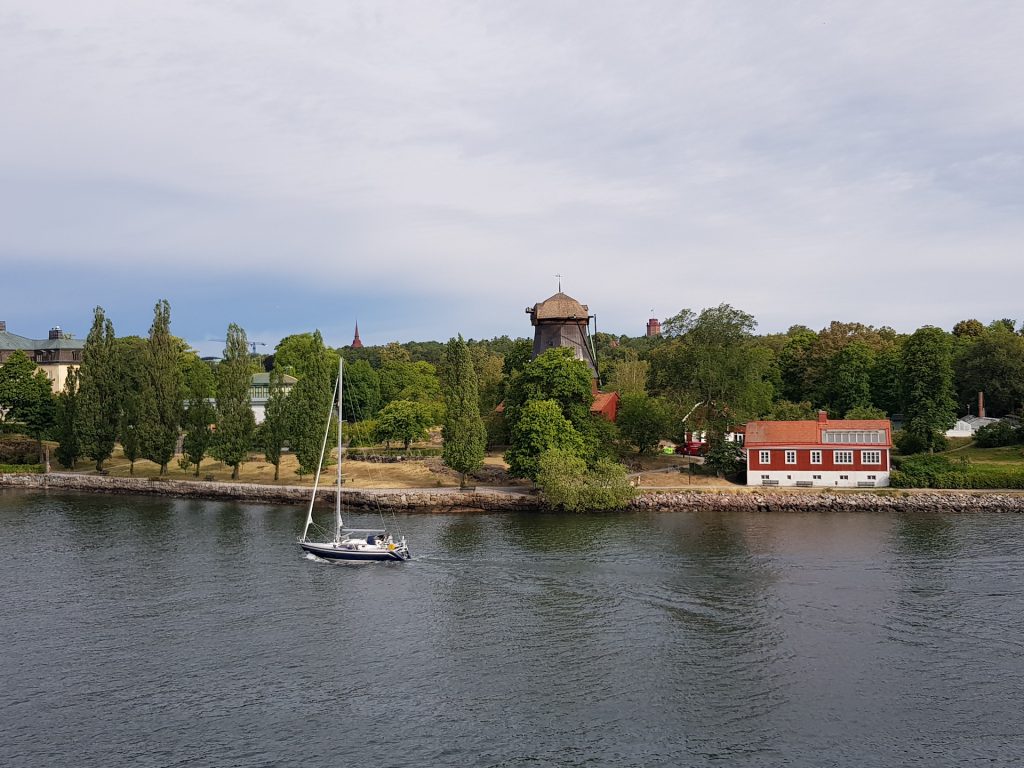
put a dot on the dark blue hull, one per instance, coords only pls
(329, 552)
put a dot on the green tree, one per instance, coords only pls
(274, 433)
(714, 361)
(160, 422)
(865, 412)
(402, 421)
(99, 391)
(644, 420)
(465, 438)
(993, 363)
(555, 375)
(361, 397)
(793, 362)
(199, 385)
(725, 457)
(308, 400)
(566, 482)
(629, 375)
(235, 421)
(135, 397)
(69, 447)
(887, 378)
(295, 354)
(26, 396)
(784, 410)
(849, 380)
(930, 407)
(539, 426)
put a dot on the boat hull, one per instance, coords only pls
(330, 552)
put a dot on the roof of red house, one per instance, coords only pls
(811, 432)
(606, 404)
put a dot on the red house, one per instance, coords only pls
(827, 452)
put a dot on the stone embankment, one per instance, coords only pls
(737, 499)
(419, 499)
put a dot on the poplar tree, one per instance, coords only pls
(160, 420)
(307, 403)
(275, 423)
(66, 430)
(99, 391)
(463, 432)
(199, 413)
(929, 404)
(130, 354)
(235, 423)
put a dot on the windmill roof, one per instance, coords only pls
(559, 307)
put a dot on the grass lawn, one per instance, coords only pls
(413, 473)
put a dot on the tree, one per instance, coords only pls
(464, 435)
(793, 362)
(629, 376)
(160, 421)
(849, 379)
(555, 375)
(199, 385)
(540, 426)
(135, 396)
(930, 408)
(66, 430)
(99, 391)
(295, 354)
(308, 400)
(567, 483)
(274, 433)
(361, 397)
(26, 396)
(784, 410)
(725, 457)
(993, 363)
(715, 362)
(417, 382)
(402, 421)
(235, 422)
(865, 412)
(644, 420)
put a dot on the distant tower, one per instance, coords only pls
(356, 343)
(654, 327)
(561, 321)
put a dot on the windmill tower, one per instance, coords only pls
(561, 321)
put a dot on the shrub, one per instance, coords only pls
(359, 434)
(32, 469)
(18, 449)
(567, 484)
(998, 434)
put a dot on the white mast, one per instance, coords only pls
(320, 464)
(337, 492)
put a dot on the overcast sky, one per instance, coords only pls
(428, 168)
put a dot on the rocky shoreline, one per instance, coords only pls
(516, 500)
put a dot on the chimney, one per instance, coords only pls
(823, 417)
(3, 325)
(981, 404)
(56, 333)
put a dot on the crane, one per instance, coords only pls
(252, 344)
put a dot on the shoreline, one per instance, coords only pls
(497, 499)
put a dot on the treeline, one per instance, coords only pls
(709, 372)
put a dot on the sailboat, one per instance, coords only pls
(352, 544)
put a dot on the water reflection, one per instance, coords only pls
(925, 533)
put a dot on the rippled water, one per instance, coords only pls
(150, 632)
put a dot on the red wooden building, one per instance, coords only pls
(827, 452)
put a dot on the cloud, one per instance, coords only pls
(436, 163)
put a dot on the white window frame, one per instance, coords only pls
(871, 457)
(790, 456)
(764, 457)
(816, 457)
(839, 456)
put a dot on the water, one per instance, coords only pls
(150, 632)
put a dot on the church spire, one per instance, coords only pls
(356, 342)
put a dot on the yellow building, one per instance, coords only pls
(55, 355)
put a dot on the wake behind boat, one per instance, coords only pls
(352, 544)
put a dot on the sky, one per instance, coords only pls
(429, 168)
